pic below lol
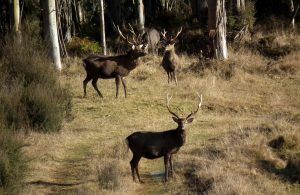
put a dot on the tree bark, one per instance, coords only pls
(17, 17)
(141, 16)
(53, 34)
(292, 11)
(243, 5)
(240, 6)
(102, 26)
(217, 28)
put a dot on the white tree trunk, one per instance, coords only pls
(238, 5)
(141, 16)
(17, 16)
(243, 6)
(80, 14)
(221, 45)
(217, 28)
(102, 26)
(53, 34)
(292, 10)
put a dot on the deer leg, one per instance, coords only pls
(174, 77)
(124, 86)
(85, 82)
(94, 83)
(166, 160)
(137, 170)
(171, 166)
(117, 85)
(168, 77)
(134, 166)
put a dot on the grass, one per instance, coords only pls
(227, 145)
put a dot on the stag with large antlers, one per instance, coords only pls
(170, 60)
(153, 145)
(114, 67)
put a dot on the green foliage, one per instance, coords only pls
(82, 46)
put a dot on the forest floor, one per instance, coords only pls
(227, 148)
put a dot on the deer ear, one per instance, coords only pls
(133, 47)
(189, 120)
(175, 119)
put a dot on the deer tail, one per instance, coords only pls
(127, 143)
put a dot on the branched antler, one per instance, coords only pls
(125, 38)
(164, 34)
(199, 105)
(178, 33)
(168, 101)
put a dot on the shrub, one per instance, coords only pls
(30, 94)
(12, 163)
(82, 46)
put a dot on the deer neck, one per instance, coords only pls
(170, 52)
(181, 134)
(131, 61)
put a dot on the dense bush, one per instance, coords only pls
(81, 46)
(12, 163)
(30, 94)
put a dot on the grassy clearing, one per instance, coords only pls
(227, 149)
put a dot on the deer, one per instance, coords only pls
(115, 67)
(170, 59)
(152, 145)
(153, 38)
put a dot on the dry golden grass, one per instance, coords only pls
(227, 148)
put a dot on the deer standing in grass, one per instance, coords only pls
(114, 67)
(170, 60)
(153, 145)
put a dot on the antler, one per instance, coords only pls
(125, 38)
(136, 37)
(168, 101)
(178, 33)
(199, 105)
(164, 34)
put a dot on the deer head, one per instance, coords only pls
(183, 121)
(139, 47)
(170, 41)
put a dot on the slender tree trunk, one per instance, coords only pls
(102, 26)
(53, 34)
(292, 11)
(141, 16)
(240, 6)
(243, 5)
(17, 17)
(79, 12)
(217, 28)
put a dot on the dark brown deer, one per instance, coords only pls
(170, 60)
(153, 145)
(114, 67)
